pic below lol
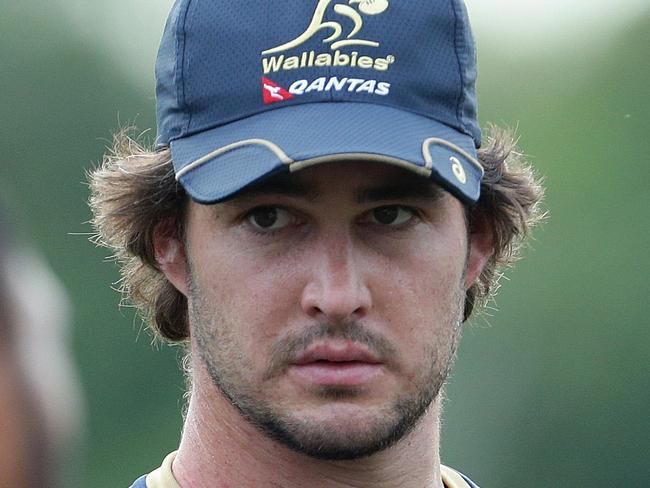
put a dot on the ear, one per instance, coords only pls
(481, 248)
(170, 254)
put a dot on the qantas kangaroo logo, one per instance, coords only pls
(337, 39)
(273, 93)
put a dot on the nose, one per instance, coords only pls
(337, 288)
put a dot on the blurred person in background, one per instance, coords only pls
(41, 414)
(315, 223)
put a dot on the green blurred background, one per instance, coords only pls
(551, 390)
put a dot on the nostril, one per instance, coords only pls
(337, 291)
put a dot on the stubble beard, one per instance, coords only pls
(225, 365)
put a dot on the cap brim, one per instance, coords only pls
(216, 164)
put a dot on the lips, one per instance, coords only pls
(337, 352)
(336, 364)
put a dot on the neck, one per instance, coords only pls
(219, 449)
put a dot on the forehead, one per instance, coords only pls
(357, 180)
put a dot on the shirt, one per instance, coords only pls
(164, 478)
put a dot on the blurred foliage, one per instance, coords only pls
(554, 392)
(60, 104)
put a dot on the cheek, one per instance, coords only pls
(430, 267)
(419, 293)
(252, 293)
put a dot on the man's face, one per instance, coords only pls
(327, 308)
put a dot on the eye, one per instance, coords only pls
(393, 215)
(268, 218)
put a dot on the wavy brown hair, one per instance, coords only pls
(134, 190)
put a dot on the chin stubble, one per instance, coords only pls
(224, 364)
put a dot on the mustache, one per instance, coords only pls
(287, 348)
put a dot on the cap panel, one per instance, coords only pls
(219, 74)
(415, 56)
(426, 70)
(322, 50)
(466, 52)
(171, 111)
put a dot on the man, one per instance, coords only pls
(41, 410)
(315, 224)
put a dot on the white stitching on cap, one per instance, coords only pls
(305, 163)
(230, 147)
(454, 147)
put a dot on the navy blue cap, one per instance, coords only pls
(249, 89)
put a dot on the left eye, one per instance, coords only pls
(268, 218)
(391, 215)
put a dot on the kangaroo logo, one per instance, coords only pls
(273, 93)
(367, 7)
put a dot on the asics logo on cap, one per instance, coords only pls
(337, 37)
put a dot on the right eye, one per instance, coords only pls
(392, 215)
(268, 218)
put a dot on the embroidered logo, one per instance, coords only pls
(273, 93)
(457, 169)
(335, 84)
(337, 39)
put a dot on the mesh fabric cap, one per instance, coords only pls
(247, 89)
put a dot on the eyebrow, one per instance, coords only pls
(411, 189)
(282, 186)
(420, 190)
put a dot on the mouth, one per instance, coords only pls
(341, 364)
